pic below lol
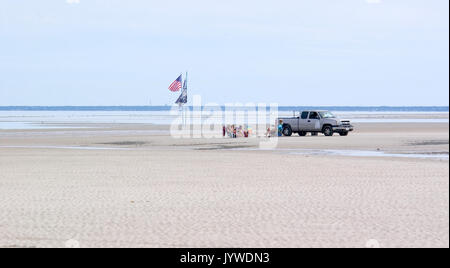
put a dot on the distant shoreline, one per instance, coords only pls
(280, 108)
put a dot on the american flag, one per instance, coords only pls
(176, 85)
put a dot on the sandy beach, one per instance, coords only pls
(132, 185)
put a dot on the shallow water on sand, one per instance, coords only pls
(62, 147)
(354, 153)
(362, 153)
(31, 125)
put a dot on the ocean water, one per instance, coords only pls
(33, 117)
(280, 108)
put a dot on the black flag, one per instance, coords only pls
(183, 98)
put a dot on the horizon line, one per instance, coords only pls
(167, 105)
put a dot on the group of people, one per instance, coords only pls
(232, 131)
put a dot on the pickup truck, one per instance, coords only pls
(315, 122)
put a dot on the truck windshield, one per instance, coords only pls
(327, 115)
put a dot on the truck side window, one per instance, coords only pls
(313, 115)
(304, 115)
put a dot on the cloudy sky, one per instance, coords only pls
(314, 52)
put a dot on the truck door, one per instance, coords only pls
(295, 123)
(303, 121)
(313, 122)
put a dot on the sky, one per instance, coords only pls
(290, 52)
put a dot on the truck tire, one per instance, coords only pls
(314, 133)
(328, 130)
(287, 131)
(302, 133)
(343, 133)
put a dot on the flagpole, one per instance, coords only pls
(183, 99)
(185, 88)
(183, 116)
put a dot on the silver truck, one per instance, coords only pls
(315, 122)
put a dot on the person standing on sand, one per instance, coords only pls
(280, 128)
(224, 131)
(245, 131)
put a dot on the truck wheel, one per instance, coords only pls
(314, 133)
(343, 133)
(302, 133)
(328, 130)
(287, 131)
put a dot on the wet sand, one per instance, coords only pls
(131, 185)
